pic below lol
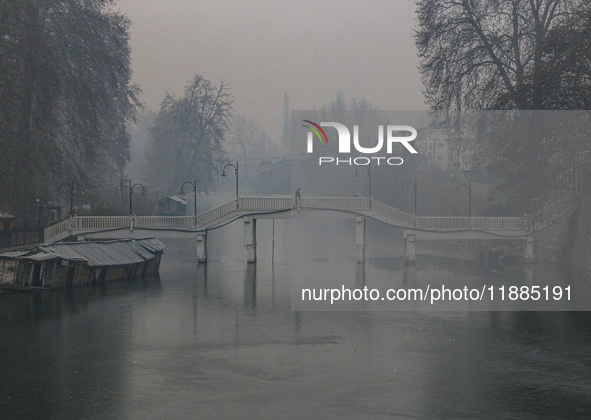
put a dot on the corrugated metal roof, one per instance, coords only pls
(42, 256)
(177, 198)
(14, 254)
(151, 244)
(65, 251)
(107, 253)
(121, 252)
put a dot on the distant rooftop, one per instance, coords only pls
(177, 198)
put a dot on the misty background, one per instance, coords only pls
(273, 58)
(263, 49)
(104, 103)
(109, 102)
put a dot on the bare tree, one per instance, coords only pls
(188, 136)
(486, 54)
(511, 54)
(565, 74)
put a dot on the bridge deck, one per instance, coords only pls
(274, 206)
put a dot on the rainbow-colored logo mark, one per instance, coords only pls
(315, 128)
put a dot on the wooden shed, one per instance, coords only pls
(175, 205)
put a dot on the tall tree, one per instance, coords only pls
(487, 53)
(483, 54)
(565, 72)
(188, 135)
(510, 54)
(65, 96)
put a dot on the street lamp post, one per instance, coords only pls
(38, 212)
(414, 188)
(71, 185)
(194, 185)
(131, 187)
(235, 173)
(368, 167)
(469, 188)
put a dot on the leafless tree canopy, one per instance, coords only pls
(496, 54)
(188, 136)
(516, 55)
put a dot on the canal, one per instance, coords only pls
(221, 341)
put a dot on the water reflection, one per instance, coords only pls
(409, 276)
(220, 340)
(360, 276)
(64, 353)
(250, 286)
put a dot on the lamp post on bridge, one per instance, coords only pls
(368, 168)
(38, 211)
(71, 186)
(235, 173)
(469, 188)
(194, 185)
(131, 187)
(414, 188)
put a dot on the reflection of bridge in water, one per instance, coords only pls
(252, 208)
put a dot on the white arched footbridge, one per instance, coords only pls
(251, 208)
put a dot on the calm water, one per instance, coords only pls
(221, 341)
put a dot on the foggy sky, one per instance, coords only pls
(261, 49)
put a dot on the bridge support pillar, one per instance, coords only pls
(409, 276)
(360, 238)
(409, 249)
(250, 239)
(529, 274)
(202, 247)
(529, 250)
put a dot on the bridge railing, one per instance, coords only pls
(266, 203)
(339, 203)
(57, 229)
(101, 222)
(215, 213)
(118, 222)
(471, 223)
(392, 213)
(270, 204)
(164, 222)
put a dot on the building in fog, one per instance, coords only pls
(439, 152)
(49, 213)
(435, 150)
(6, 221)
(175, 205)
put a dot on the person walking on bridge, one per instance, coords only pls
(298, 199)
